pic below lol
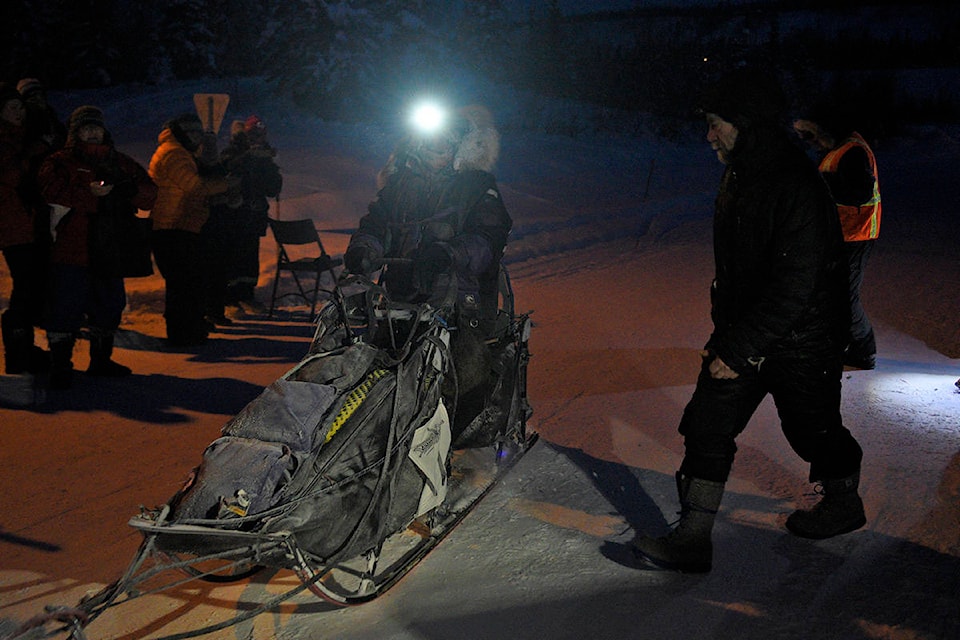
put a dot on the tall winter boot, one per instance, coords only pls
(688, 548)
(839, 511)
(101, 349)
(61, 359)
(21, 355)
(16, 348)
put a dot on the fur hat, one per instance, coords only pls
(29, 86)
(475, 139)
(745, 98)
(87, 114)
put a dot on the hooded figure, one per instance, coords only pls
(439, 207)
(438, 214)
(779, 325)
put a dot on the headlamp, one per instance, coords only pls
(429, 118)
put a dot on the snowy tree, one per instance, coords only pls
(186, 40)
(342, 58)
(296, 43)
(67, 42)
(239, 34)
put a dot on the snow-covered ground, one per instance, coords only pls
(617, 277)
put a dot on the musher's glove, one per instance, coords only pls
(435, 258)
(357, 260)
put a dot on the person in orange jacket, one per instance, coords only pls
(181, 211)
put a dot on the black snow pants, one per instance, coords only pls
(806, 391)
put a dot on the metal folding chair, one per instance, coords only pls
(301, 234)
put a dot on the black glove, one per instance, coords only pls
(357, 260)
(124, 190)
(435, 258)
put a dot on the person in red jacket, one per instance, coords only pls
(18, 244)
(91, 187)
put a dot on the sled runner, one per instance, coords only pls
(348, 469)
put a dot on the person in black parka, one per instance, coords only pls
(780, 319)
(439, 213)
(250, 157)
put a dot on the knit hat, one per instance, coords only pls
(183, 123)
(252, 123)
(8, 93)
(186, 122)
(745, 98)
(29, 86)
(87, 114)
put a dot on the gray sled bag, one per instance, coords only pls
(348, 447)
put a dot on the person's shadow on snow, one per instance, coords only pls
(160, 398)
(259, 341)
(152, 398)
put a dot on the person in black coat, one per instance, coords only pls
(251, 158)
(780, 318)
(439, 208)
(439, 214)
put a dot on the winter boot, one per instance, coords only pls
(16, 348)
(688, 548)
(61, 359)
(839, 511)
(101, 348)
(20, 354)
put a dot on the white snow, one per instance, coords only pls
(618, 325)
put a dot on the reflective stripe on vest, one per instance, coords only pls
(859, 222)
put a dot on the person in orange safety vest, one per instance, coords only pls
(849, 168)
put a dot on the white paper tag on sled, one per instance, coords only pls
(429, 449)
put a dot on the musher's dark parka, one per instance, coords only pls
(778, 299)
(780, 274)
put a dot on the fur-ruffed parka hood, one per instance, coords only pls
(480, 145)
(477, 145)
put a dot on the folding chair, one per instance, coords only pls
(289, 233)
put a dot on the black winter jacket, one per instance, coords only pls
(780, 287)
(462, 210)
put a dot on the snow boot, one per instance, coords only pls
(20, 354)
(688, 548)
(15, 347)
(61, 359)
(101, 349)
(839, 511)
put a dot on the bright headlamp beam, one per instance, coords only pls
(429, 118)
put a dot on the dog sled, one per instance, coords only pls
(346, 471)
